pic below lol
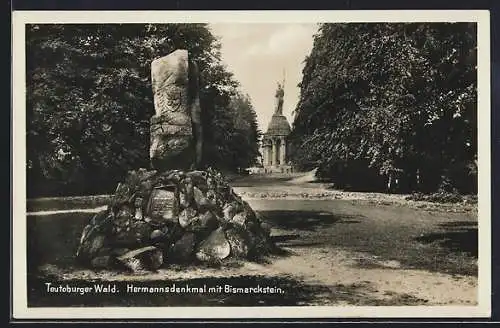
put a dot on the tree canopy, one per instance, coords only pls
(380, 100)
(89, 101)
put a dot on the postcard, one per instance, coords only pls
(251, 164)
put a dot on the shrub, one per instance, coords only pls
(438, 197)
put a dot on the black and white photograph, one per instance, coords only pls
(255, 165)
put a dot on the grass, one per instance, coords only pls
(444, 197)
(438, 242)
(54, 238)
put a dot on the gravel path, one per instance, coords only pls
(356, 248)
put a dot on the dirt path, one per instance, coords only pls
(357, 249)
(76, 210)
(334, 272)
(386, 283)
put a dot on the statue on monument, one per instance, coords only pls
(280, 93)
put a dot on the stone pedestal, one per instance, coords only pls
(273, 156)
(283, 151)
(264, 156)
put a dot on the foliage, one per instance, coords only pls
(397, 99)
(89, 101)
(442, 197)
(246, 135)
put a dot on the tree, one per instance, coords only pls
(246, 136)
(390, 100)
(89, 100)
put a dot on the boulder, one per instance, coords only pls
(239, 218)
(201, 201)
(145, 258)
(90, 245)
(229, 211)
(186, 216)
(131, 234)
(102, 262)
(214, 248)
(157, 235)
(239, 241)
(182, 250)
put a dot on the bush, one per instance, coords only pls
(438, 197)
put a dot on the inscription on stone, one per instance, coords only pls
(161, 204)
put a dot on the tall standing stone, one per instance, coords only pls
(176, 125)
(195, 107)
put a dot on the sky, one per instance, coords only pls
(259, 55)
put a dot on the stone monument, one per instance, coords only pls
(274, 142)
(176, 131)
(173, 213)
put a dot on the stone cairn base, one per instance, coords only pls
(155, 218)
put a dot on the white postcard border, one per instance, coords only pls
(19, 283)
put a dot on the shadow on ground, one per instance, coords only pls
(437, 244)
(306, 220)
(449, 247)
(54, 238)
(260, 180)
(458, 236)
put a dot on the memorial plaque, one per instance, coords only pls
(161, 204)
